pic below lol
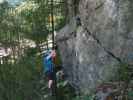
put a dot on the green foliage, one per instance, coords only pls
(30, 20)
(130, 95)
(61, 23)
(124, 72)
(19, 81)
(35, 20)
(65, 91)
(39, 18)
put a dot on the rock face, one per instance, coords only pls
(91, 52)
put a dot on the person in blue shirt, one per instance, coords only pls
(49, 67)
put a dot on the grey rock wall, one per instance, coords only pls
(92, 51)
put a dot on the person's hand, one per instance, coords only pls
(53, 53)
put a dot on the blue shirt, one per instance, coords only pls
(48, 64)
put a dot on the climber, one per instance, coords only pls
(49, 67)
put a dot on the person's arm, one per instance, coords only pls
(49, 56)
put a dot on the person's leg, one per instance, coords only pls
(50, 81)
(50, 84)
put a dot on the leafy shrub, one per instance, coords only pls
(19, 81)
(65, 91)
(124, 72)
